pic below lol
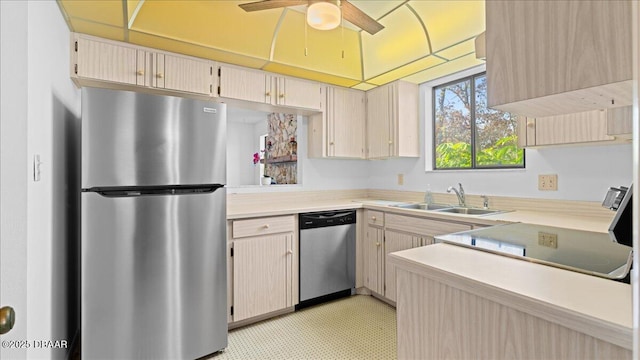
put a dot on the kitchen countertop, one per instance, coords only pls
(528, 216)
(586, 303)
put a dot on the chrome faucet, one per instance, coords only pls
(485, 201)
(461, 200)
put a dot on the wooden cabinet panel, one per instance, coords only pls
(374, 259)
(375, 217)
(459, 323)
(181, 73)
(392, 121)
(244, 84)
(572, 128)
(263, 226)
(107, 61)
(345, 122)
(299, 93)
(620, 121)
(261, 275)
(395, 241)
(379, 139)
(423, 226)
(556, 57)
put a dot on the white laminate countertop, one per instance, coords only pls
(569, 298)
(529, 217)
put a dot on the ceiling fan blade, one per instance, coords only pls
(271, 4)
(359, 18)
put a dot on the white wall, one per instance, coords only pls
(584, 172)
(52, 114)
(318, 174)
(243, 140)
(13, 170)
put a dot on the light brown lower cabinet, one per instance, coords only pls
(389, 232)
(437, 320)
(264, 266)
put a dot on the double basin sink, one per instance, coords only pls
(443, 208)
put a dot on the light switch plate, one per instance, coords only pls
(548, 182)
(548, 240)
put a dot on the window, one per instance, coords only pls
(467, 134)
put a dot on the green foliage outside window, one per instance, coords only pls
(467, 134)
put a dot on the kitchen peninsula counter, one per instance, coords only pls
(456, 302)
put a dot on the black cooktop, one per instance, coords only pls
(582, 251)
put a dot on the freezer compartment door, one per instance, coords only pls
(137, 139)
(153, 276)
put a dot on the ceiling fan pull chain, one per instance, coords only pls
(306, 25)
(341, 27)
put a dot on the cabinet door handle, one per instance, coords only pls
(159, 75)
(331, 143)
(390, 142)
(531, 124)
(289, 252)
(281, 96)
(378, 244)
(140, 72)
(373, 218)
(267, 93)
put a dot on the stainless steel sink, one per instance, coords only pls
(470, 211)
(423, 206)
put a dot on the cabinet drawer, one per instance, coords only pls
(263, 226)
(423, 226)
(375, 217)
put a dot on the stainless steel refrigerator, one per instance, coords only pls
(153, 226)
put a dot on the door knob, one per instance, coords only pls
(7, 319)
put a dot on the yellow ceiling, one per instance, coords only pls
(422, 39)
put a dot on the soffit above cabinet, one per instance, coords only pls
(421, 40)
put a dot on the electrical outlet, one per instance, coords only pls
(548, 240)
(400, 179)
(548, 182)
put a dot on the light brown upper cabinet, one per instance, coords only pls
(558, 57)
(183, 73)
(105, 63)
(244, 84)
(606, 125)
(104, 60)
(392, 121)
(340, 130)
(266, 88)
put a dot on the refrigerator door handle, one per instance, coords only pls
(113, 192)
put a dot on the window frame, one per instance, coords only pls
(472, 114)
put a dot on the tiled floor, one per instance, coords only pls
(358, 327)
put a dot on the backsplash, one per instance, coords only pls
(282, 129)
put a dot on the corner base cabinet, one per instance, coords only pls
(264, 266)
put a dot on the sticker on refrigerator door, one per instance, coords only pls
(210, 110)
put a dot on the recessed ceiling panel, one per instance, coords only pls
(105, 12)
(464, 48)
(98, 29)
(162, 43)
(406, 70)
(449, 22)
(324, 49)
(402, 41)
(364, 86)
(309, 74)
(377, 9)
(217, 24)
(445, 69)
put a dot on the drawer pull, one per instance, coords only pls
(266, 226)
(373, 218)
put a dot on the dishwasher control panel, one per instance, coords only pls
(327, 218)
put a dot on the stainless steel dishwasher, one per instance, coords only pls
(327, 256)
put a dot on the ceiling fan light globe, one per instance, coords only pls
(323, 16)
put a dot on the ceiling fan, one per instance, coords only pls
(322, 14)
